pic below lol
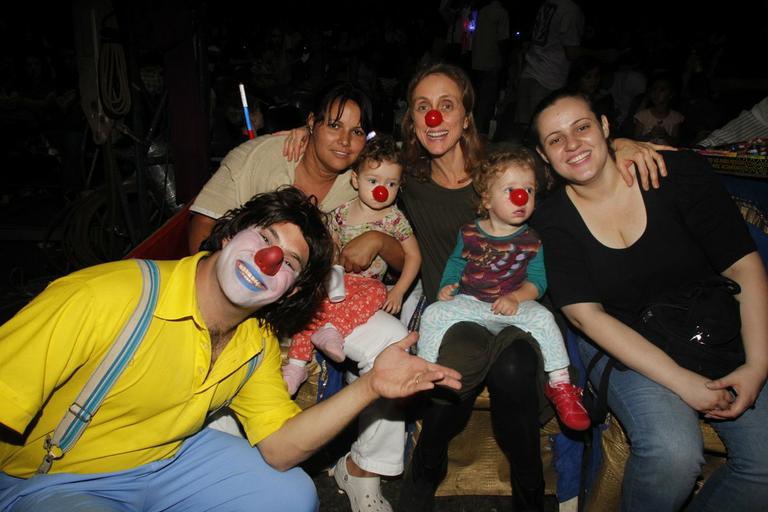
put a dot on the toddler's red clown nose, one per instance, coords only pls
(433, 118)
(269, 259)
(380, 193)
(518, 196)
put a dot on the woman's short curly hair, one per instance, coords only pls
(291, 313)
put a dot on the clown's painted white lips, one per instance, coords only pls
(437, 134)
(247, 277)
(579, 158)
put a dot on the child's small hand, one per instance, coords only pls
(505, 305)
(448, 291)
(393, 303)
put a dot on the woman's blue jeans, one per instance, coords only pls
(667, 448)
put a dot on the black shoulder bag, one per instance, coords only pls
(697, 325)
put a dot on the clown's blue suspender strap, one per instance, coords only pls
(104, 377)
(253, 363)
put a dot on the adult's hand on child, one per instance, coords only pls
(642, 158)
(505, 305)
(746, 381)
(396, 373)
(447, 292)
(359, 252)
(295, 143)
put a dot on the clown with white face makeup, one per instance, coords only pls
(213, 333)
(260, 265)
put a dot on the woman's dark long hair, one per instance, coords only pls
(293, 313)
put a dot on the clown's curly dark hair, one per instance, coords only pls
(293, 313)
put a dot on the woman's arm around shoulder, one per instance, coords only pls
(642, 158)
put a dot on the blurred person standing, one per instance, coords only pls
(489, 47)
(556, 42)
(456, 15)
(556, 35)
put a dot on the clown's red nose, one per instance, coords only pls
(269, 259)
(433, 118)
(380, 193)
(518, 196)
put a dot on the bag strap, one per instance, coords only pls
(599, 409)
(80, 413)
(415, 321)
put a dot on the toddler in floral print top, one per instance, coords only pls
(376, 178)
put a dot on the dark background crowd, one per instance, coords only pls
(70, 193)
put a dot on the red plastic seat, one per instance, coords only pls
(168, 242)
